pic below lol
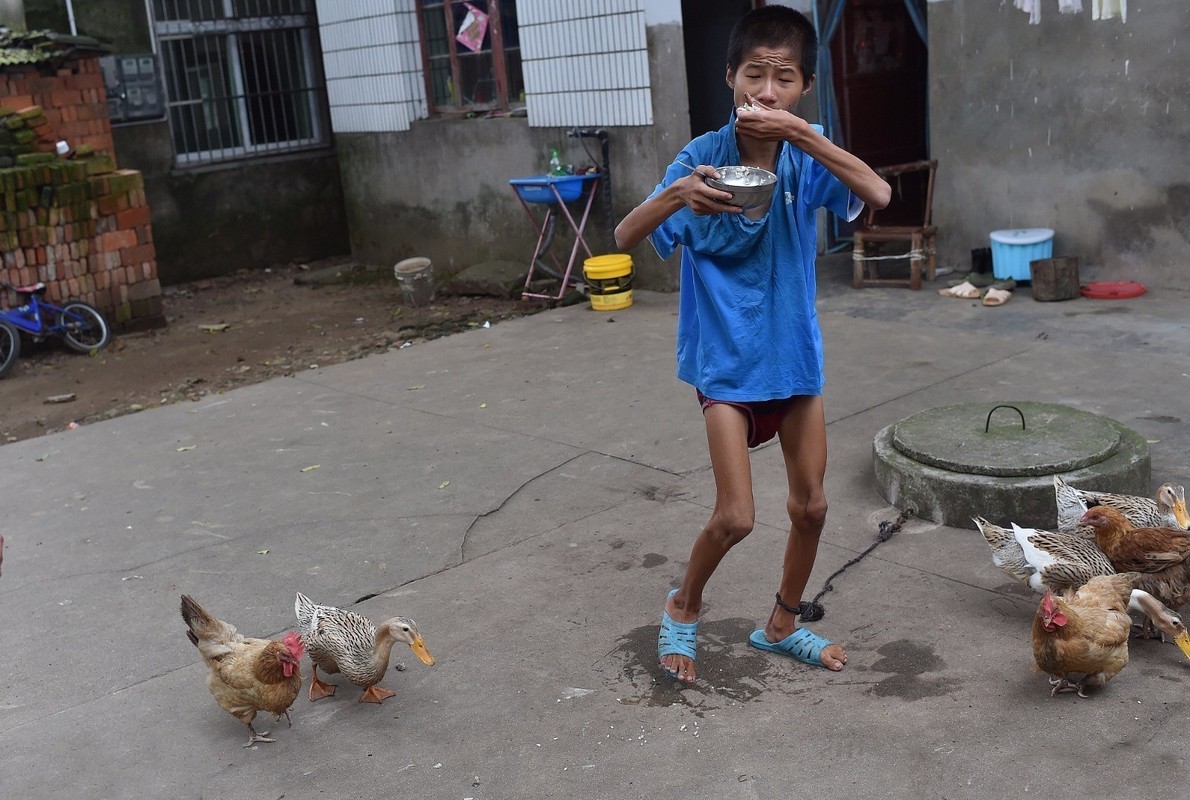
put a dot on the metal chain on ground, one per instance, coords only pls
(812, 610)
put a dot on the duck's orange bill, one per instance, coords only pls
(1183, 643)
(1181, 515)
(419, 647)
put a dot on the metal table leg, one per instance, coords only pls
(579, 241)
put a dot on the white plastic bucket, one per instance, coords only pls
(415, 276)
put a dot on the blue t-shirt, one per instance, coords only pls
(747, 325)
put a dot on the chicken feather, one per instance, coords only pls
(1167, 508)
(1084, 633)
(1138, 549)
(245, 675)
(1059, 561)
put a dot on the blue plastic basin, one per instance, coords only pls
(537, 190)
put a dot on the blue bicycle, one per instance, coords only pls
(79, 325)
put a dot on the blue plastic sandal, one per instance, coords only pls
(677, 638)
(803, 645)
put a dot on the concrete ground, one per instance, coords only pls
(528, 493)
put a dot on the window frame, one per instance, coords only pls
(226, 31)
(495, 37)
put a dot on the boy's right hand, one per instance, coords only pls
(702, 199)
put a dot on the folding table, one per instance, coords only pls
(555, 192)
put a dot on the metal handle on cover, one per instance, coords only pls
(988, 425)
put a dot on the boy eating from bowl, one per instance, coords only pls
(748, 338)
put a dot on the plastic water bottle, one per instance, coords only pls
(556, 167)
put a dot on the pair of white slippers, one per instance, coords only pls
(969, 291)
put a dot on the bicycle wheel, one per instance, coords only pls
(82, 327)
(10, 346)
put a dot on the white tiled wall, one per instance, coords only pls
(585, 62)
(372, 58)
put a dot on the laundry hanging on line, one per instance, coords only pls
(1107, 9)
(1030, 7)
(1100, 9)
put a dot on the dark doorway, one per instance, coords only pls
(880, 65)
(706, 24)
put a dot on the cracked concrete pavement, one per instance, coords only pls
(528, 493)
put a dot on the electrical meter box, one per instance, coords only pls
(133, 83)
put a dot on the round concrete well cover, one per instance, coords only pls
(1049, 439)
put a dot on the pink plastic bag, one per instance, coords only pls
(473, 29)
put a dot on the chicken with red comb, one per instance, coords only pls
(1080, 638)
(245, 675)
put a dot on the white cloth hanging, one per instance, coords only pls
(1070, 6)
(1107, 9)
(1032, 8)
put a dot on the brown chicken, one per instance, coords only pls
(246, 675)
(1160, 555)
(1136, 549)
(1084, 632)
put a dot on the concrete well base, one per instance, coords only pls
(952, 498)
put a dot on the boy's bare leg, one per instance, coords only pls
(803, 444)
(731, 521)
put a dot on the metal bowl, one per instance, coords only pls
(749, 186)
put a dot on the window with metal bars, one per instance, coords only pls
(472, 55)
(243, 77)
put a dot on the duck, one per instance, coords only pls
(1041, 559)
(1059, 562)
(1166, 509)
(343, 641)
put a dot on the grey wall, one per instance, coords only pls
(220, 219)
(213, 222)
(441, 189)
(1074, 124)
(670, 133)
(121, 24)
(12, 14)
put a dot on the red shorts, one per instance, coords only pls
(764, 416)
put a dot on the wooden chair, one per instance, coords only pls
(906, 221)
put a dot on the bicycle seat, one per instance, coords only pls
(33, 288)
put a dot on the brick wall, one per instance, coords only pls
(72, 97)
(76, 223)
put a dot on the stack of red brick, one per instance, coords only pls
(76, 223)
(84, 229)
(73, 98)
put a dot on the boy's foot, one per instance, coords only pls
(802, 645)
(677, 647)
(782, 635)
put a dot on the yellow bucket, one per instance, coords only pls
(609, 281)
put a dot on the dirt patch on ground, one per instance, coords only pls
(274, 327)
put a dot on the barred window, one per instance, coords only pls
(243, 77)
(472, 60)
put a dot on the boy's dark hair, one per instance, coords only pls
(774, 26)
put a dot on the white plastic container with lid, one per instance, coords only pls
(1013, 249)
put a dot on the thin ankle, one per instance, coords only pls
(794, 610)
(685, 607)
